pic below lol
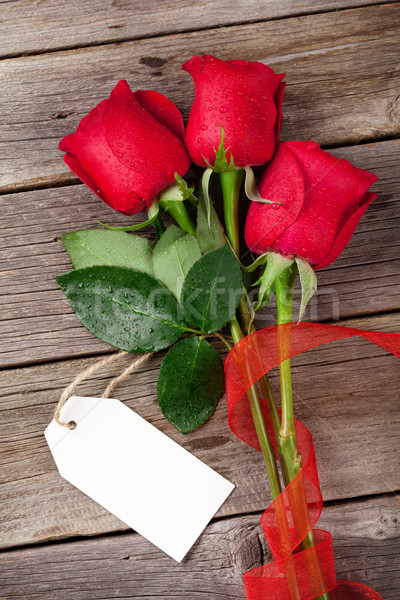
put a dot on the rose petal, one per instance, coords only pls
(238, 96)
(271, 78)
(333, 191)
(163, 110)
(140, 142)
(73, 163)
(346, 232)
(90, 158)
(282, 182)
(278, 99)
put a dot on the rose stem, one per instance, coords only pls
(259, 423)
(230, 184)
(158, 226)
(271, 466)
(287, 445)
(178, 211)
(264, 382)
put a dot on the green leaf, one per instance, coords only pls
(308, 280)
(102, 247)
(209, 232)
(276, 265)
(190, 383)
(125, 308)
(212, 289)
(173, 256)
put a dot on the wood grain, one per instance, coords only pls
(342, 73)
(28, 26)
(340, 67)
(365, 539)
(38, 324)
(338, 394)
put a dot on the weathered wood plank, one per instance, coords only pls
(38, 324)
(36, 27)
(340, 71)
(365, 538)
(338, 394)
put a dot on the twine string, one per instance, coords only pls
(88, 372)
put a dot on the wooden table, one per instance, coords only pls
(59, 59)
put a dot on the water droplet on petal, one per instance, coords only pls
(279, 219)
(223, 109)
(275, 206)
(200, 140)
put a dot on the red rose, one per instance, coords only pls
(322, 200)
(245, 98)
(128, 148)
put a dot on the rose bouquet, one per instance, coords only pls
(200, 282)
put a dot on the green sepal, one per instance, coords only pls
(187, 192)
(125, 308)
(276, 265)
(177, 192)
(172, 193)
(152, 214)
(173, 256)
(261, 260)
(221, 163)
(308, 280)
(209, 232)
(205, 193)
(190, 383)
(212, 290)
(251, 189)
(91, 247)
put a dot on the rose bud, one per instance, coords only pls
(245, 99)
(128, 148)
(318, 202)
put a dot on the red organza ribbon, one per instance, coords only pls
(305, 574)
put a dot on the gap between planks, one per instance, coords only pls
(341, 83)
(329, 405)
(365, 540)
(363, 281)
(49, 23)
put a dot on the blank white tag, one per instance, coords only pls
(136, 472)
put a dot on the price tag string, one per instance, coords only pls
(88, 372)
